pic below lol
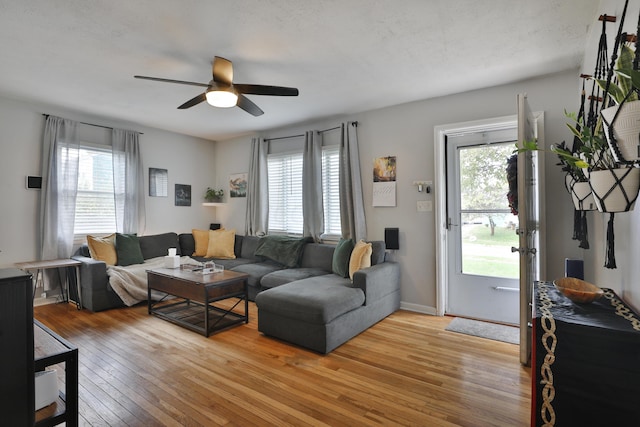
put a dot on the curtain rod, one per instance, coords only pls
(91, 124)
(298, 136)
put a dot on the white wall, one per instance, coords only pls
(189, 161)
(406, 131)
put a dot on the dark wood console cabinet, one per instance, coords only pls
(16, 342)
(20, 358)
(585, 361)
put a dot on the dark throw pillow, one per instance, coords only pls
(128, 249)
(341, 256)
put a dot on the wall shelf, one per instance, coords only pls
(211, 204)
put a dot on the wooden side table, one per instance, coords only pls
(38, 267)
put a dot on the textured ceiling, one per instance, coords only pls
(345, 56)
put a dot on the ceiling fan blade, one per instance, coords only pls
(222, 70)
(157, 79)
(266, 90)
(193, 101)
(248, 106)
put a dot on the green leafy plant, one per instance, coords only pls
(591, 154)
(212, 194)
(627, 78)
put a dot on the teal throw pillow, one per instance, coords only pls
(128, 249)
(341, 255)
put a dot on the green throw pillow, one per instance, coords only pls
(128, 249)
(341, 255)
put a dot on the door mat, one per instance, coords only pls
(491, 331)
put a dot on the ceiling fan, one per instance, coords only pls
(222, 92)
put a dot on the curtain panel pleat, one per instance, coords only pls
(60, 158)
(128, 181)
(352, 216)
(312, 202)
(257, 214)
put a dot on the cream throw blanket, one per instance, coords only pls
(130, 282)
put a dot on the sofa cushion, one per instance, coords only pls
(378, 251)
(360, 257)
(221, 244)
(157, 245)
(249, 245)
(287, 275)
(128, 249)
(341, 256)
(103, 248)
(257, 270)
(317, 255)
(316, 300)
(187, 244)
(201, 238)
(285, 250)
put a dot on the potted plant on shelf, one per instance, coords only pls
(213, 196)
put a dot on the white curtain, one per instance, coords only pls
(256, 221)
(128, 181)
(60, 157)
(351, 201)
(312, 203)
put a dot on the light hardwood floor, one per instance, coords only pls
(138, 370)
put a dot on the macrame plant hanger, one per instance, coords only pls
(610, 256)
(580, 225)
(580, 228)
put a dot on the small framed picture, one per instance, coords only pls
(158, 182)
(238, 185)
(183, 195)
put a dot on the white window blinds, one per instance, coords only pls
(95, 207)
(285, 193)
(331, 190)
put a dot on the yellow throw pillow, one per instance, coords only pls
(103, 248)
(360, 257)
(201, 238)
(221, 244)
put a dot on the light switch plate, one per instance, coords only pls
(424, 206)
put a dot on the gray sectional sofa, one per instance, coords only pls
(307, 305)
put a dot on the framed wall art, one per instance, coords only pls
(158, 182)
(183, 195)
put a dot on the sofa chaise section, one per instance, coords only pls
(322, 312)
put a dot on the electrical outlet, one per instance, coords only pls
(43, 295)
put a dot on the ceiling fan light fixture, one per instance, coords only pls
(222, 98)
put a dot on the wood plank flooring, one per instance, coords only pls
(139, 370)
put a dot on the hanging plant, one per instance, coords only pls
(621, 123)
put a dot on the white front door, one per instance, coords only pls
(483, 271)
(530, 208)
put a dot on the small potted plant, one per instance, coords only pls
(213, 196)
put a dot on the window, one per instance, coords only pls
(331, 191)
(95, 204)
(285, 192)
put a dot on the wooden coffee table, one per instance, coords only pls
(196, 293)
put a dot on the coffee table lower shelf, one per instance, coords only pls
(195, 295)
(191, 315)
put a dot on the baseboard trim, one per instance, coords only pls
(425, 309)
